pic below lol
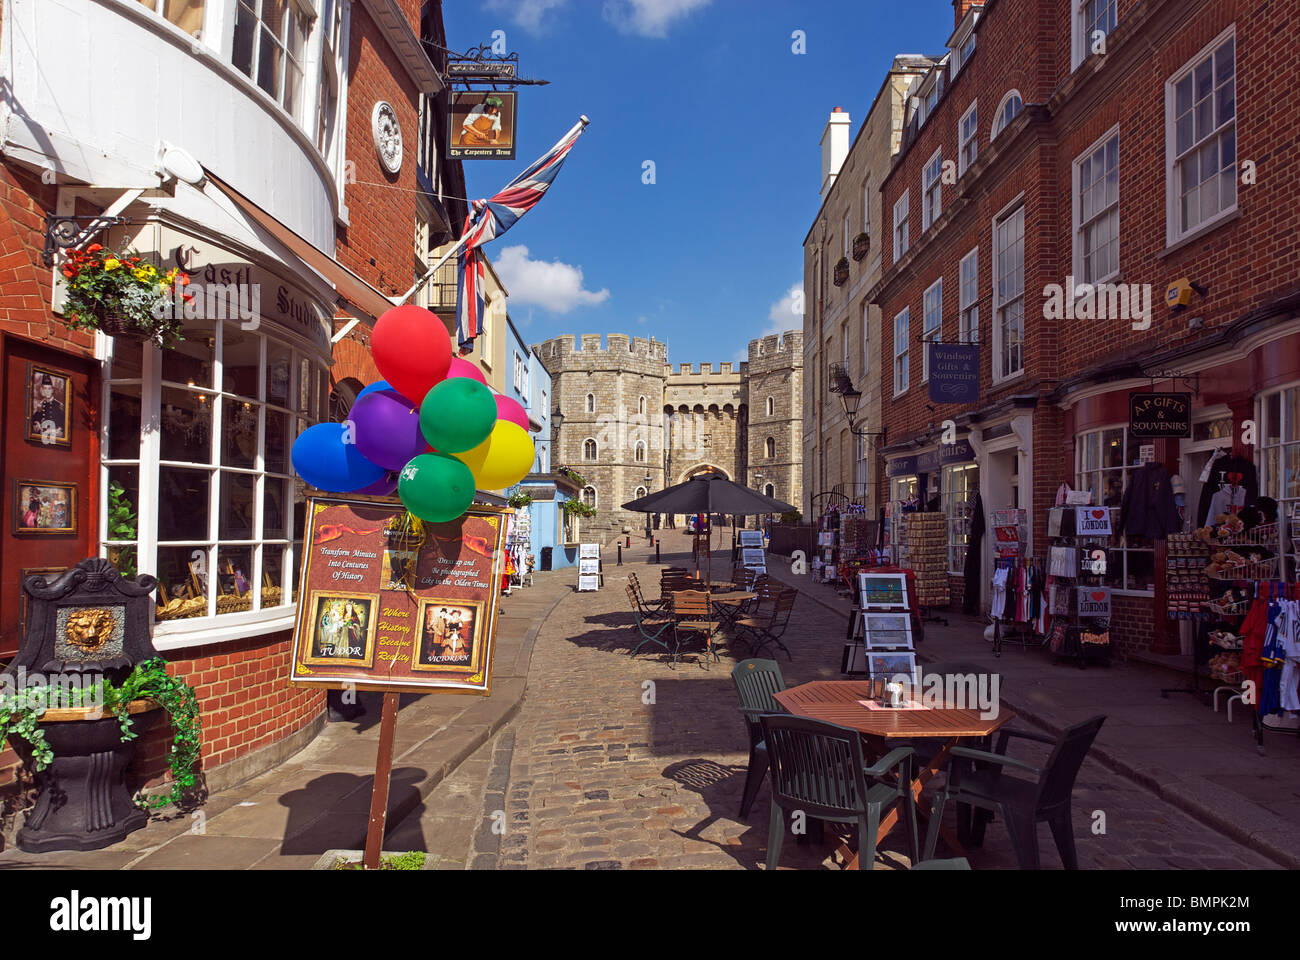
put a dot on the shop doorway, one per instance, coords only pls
(1000, 490)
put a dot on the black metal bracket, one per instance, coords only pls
(1189, 381)
(64, 232)
(480, 65)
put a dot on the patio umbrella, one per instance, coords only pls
(708, 493)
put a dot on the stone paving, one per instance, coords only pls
(622, 763)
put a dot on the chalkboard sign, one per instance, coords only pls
(382, 607)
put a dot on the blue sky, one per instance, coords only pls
(710, 92)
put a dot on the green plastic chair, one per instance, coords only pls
(956, 863)
(756, 681)
(818, 770)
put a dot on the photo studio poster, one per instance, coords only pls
(383, 610)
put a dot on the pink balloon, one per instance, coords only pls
(508, 409)
(463, 368)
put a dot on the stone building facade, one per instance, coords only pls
(633, 425)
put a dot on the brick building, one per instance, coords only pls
(633, 425)
(1107, 142)
(333, 211)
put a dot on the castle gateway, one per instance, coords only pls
(633, 425)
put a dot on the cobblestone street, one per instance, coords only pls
(622, 763)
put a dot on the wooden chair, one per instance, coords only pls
(693, 614)
(647, 608)
(650, 627)
(759, 631)
(756, 681)
(818, 769)
(670, 583)
(977, 783)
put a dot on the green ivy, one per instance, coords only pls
(121, 526)
(21, 713)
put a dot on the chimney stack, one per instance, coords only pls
(961, 7)
(835, 148)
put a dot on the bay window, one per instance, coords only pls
(1103, 461)
(270, 37)
(197, 487)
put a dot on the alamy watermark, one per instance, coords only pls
(213, 301)
(1098, 301)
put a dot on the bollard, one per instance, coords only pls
(620, 555)
(629, 540)
(657, 560)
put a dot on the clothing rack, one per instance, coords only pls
(1021, 631)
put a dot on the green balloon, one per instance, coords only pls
(435, 487)
(457, 415)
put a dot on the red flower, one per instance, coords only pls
(183, 279)
(187, 297)
(94, 248)
(68, 273)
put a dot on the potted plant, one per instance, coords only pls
(579, 508)
(519, 500)
(861, 244)
(841, 276)
(122, 295)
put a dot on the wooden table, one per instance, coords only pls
(836, 701)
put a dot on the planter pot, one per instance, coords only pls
(860, 247)
(118, 326)
(82, 801)
(841, 275)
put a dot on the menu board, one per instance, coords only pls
(379, 609)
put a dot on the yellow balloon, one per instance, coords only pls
(503, 459)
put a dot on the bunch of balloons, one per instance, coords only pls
(432, 429)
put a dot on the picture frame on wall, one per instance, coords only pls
(47, 406)
(44, 507)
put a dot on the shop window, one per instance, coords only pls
(569, 527)
(216, 512)
(901, 490)
(268, 47)
(1103, 461)
(1009, 295)
(1279, 450)
(960, 483)
(1096, 211)
(186, 14)
(1201, 154)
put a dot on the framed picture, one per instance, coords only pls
(44, 507)
(888, 590)
(342, 628)
(48, 406)
(887, 666)
(49, 573)
(588, 566)
(588, 551)
(450, 635)
(751, 538)
(888, 630)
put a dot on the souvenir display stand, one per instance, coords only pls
(591, 571)
(923, 549)
(1010, 534)
(1077, 597)
(826, 563)
(881, 646)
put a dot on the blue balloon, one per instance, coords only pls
(379, 385)
(322, 459)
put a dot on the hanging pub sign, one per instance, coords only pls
(1092, 522)
(385, 606)
(1094, 602)
(954, 372)
(1155, 415)
(481, 123)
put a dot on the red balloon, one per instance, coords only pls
(463, 368)
(412, 349)
(510, 409)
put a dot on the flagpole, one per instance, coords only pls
(398, 301)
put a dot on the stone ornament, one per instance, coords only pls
(388, 136)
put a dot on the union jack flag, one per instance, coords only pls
(488, 219)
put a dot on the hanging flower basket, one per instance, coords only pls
(841, 276)
(861, 244)
(123, 295)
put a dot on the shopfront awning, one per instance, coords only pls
(350, 287)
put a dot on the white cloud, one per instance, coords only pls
(783, 315)
(554, 286)
(648, 18)
(529, 14)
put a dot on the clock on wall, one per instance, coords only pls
(388, 136)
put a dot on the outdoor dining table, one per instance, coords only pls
(837, 701)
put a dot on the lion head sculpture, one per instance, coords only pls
(90, 629)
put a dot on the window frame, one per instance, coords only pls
(958, 512)
(903, 355)
(1081, 37)
(1174, 232)
(932, 190)
(1119, 546)
(931, 332)
(1076, 205)
(965, 141)
(297, 13)
(1001, 122)
(1273, 476)
(968, 300)
(999, 374)
(901, 237)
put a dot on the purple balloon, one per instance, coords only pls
(386, 429)
(382, 487)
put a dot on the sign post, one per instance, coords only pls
(399, 607)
